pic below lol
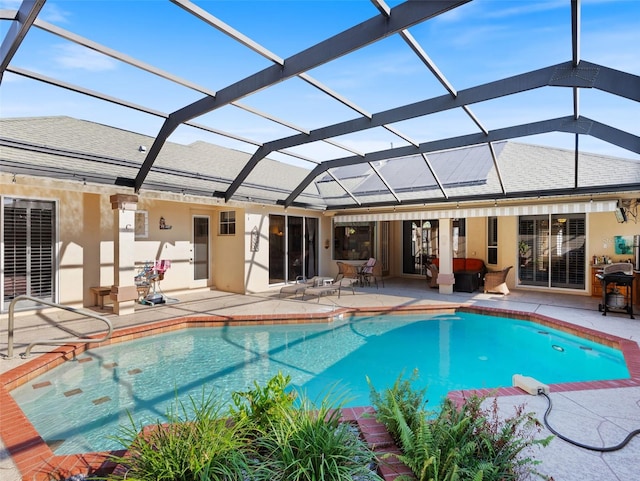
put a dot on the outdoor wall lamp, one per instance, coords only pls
(163, 224)
(327, 243)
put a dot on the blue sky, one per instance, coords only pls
(482, 41)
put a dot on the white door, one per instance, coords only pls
(200, 250)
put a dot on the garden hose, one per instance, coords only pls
(580, 445)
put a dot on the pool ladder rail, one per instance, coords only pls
(85, 340)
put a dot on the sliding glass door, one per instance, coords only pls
(420, 242)
(293, 248)
(551, 251)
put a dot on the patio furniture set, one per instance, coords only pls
(470, 274)
(349, 276)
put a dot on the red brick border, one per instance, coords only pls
(37, 462)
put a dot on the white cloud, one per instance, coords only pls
(525, 8)
(51, 12)
(78, 57)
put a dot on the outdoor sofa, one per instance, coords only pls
(469, 273)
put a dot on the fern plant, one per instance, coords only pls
(402, 397)
(466, 443)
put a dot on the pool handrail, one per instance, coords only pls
(10, 327)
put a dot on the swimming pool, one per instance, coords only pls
(78, 406)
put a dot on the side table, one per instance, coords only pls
(466, 281)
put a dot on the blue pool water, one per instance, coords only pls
(78, 406)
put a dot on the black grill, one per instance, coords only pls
(613, 277)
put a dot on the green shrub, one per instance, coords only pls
(311, 444)
(262, 436)
(261, 404)
(195, 444)
(466, 443)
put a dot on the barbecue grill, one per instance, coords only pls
(618, 275)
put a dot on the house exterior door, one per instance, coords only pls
(200, 248)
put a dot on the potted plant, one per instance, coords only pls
(523, 247)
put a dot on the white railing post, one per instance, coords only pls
(11, 326)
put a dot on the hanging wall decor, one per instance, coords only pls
(255, 239)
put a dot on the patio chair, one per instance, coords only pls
(373, 274)
(300, 284)
(496, 281)
(347, 270)
(432, 275)
(330, 288)
(365, 270)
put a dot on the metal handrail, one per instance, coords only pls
(57, 324)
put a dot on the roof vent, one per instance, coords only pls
(142, 148)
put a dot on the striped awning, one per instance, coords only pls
(496, 211)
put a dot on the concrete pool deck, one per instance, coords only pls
(600, 417)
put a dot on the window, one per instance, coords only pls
(353, 240)
(29, 234)
(492, 240)
(228, 222)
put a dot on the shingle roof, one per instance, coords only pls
(67, 148)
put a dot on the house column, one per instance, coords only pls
(445, 253)
(123, 292)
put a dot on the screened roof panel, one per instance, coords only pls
(293, 99)
(381, 76)
(298, 84)
(531, 106)
(450, 123)
(496, 39)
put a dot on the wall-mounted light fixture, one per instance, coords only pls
(327, 243)
(163, 224)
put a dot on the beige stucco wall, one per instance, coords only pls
(256, 263)
(175, 244)
(602, 228)
(507, 248)
(328, 266)
(476, 238)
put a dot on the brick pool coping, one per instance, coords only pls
(37, 462)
